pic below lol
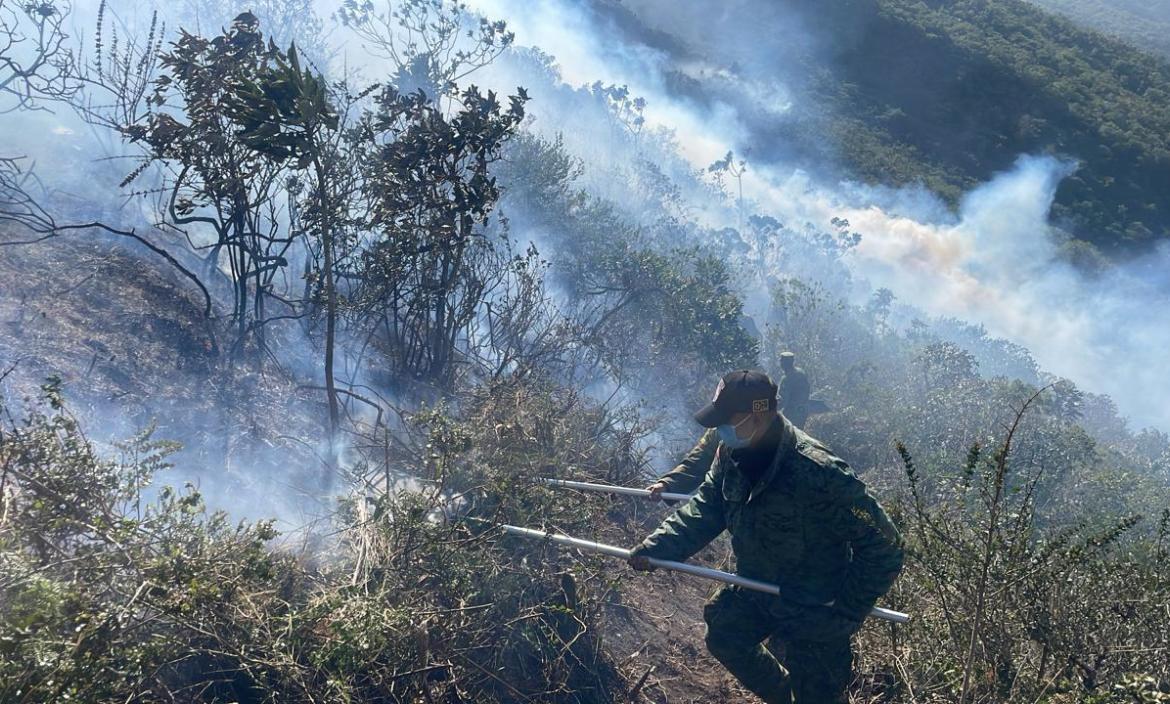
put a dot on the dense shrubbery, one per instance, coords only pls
(112, 589)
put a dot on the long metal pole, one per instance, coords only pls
(608, 489)
(695, 570)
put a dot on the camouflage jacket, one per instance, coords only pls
(688, 475)
(808, 526)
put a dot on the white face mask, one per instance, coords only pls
(731, 439)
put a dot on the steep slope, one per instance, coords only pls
(954, 92)
(898, 92)
(1144, 24)
(130, 344)
(132, 348)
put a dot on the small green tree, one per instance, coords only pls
(213, 180)
(284, 115)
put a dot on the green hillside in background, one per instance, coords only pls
(1142, 23)
(950, 93)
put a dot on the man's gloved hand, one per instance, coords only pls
(639, 561)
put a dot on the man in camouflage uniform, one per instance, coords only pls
(794, 390)
(688, 474)
(798, 518)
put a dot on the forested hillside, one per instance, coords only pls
(1143, 24)
(284, 341)
(949, 93)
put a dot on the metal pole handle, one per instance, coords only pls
(608, 489)
(695, 570)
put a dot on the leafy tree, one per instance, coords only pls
(728, 166)
(213, 180)
(429, 191)
(285, 114)
(396, 195)
(427, 41)
(285, 22)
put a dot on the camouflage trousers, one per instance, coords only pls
(815, 641)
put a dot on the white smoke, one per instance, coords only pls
(994, 264)
(998, 265)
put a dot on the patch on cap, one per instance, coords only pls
(743, 391)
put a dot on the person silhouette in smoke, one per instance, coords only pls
(794, 390)
(798, 518)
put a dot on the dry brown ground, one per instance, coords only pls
(657, 632)
(132, 347)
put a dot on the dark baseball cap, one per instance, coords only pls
(743, 391)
